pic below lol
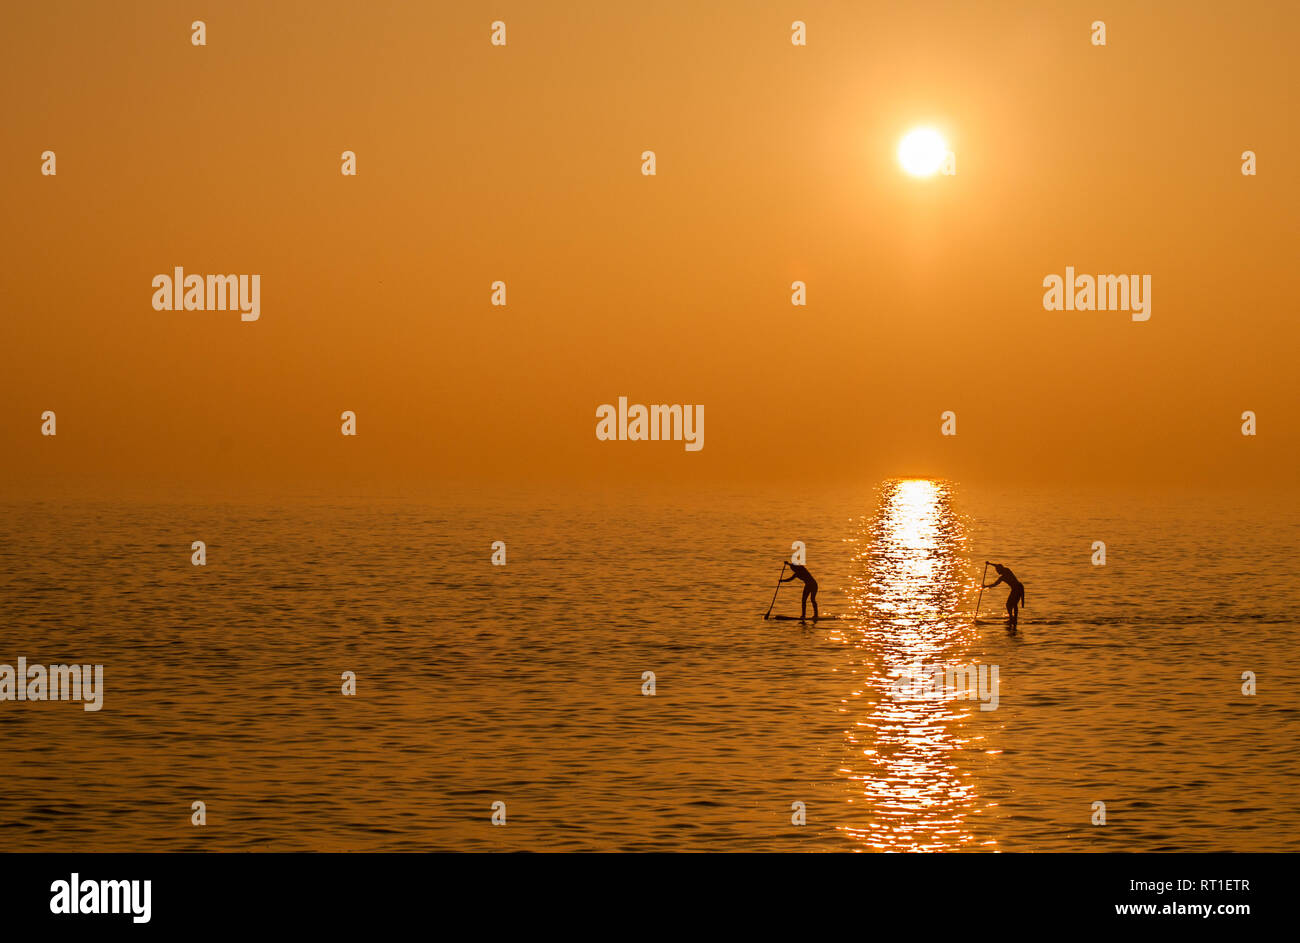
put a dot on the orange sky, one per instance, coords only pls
(522, 163)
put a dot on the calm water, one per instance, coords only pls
(523, 683)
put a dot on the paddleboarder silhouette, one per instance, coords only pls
(809, 588)
(1017, 597)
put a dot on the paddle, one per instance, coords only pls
(976, 617)
(778, 589)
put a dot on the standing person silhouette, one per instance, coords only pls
(1017, 597)
(809, 589)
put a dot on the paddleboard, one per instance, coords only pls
(809, 619)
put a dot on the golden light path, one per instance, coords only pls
(908, 586)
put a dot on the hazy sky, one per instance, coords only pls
(522, 163)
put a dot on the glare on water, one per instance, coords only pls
(908, 584)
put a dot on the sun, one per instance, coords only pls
(921, 151)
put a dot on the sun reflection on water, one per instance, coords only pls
(908, 587)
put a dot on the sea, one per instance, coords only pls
(357, 674)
